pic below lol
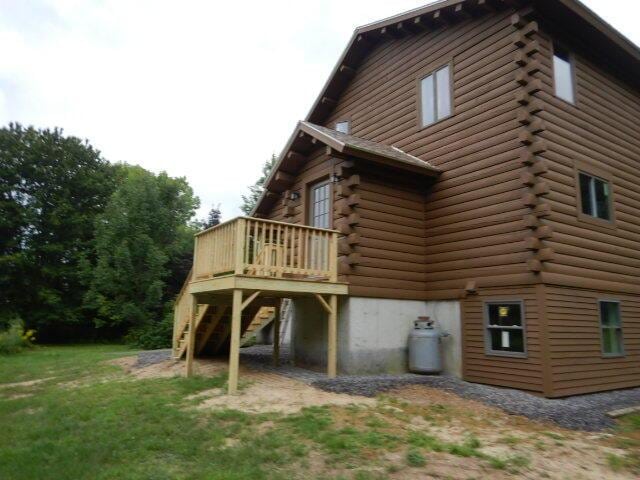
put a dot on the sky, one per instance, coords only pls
(202, 89)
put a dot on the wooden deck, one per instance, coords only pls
(243, 267)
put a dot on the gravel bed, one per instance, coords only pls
(584, 412)
(151, 357)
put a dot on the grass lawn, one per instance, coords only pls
(66, 413)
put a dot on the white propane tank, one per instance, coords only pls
(424, 347)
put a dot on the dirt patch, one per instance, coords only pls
(263, 392)
(170, 368)
(29, 383)
(545, 450)
(268, 392)
(17, 396)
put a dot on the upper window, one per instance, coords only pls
(505, 328)
(611, 327)
(343, 126)
(435, 94)
(563, 74)
(320, 205)
(595, 196)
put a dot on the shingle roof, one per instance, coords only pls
(341, 144)
(346, 143)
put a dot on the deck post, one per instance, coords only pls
(239, 252)
(333, 258)
(191, 339)
(332, 350)
(276, 335)
(234, 351)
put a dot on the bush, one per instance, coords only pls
(15, 339)
(152, 335)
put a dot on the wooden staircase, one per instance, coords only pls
(263, 318)
(213, 327)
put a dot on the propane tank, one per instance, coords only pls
(424, 347)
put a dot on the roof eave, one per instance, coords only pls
(425, 170)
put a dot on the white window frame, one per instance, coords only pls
(437, 116)
(488, 328)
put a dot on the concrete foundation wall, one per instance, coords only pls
(309, 334)
(372, 334)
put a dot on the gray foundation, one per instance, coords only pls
(372, 334)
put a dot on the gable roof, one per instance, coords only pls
(308, 136)
(572, 14)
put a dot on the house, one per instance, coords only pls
(475, 161)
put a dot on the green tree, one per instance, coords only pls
(250, 200)
(51, 189)
(141, 238)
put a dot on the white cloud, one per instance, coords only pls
(202, 89)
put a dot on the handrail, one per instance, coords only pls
(276, 222)
(181, 311)
(266, 248)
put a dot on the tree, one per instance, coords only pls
(140, 238)
(51, 189)
(255, 191)
(213, 218)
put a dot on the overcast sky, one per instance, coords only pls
(202, 89)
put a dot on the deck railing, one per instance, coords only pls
(264, 248)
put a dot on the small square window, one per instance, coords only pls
(563, 74)
(435, 96)
(611, 328)
(505, 333)
(342, 127)
(595, 196)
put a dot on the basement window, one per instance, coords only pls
(342, 127)
(595, 196)
(505, 333)
(611, 328)
(563, 74)
(435, 96)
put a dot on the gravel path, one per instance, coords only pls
(585, 412)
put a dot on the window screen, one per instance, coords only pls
(563, 74)
(320, 205)
(611, 326)
(435, 94)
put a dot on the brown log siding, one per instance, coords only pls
(478, 197)
(524, 373)
(576, 359)
(600, 133)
